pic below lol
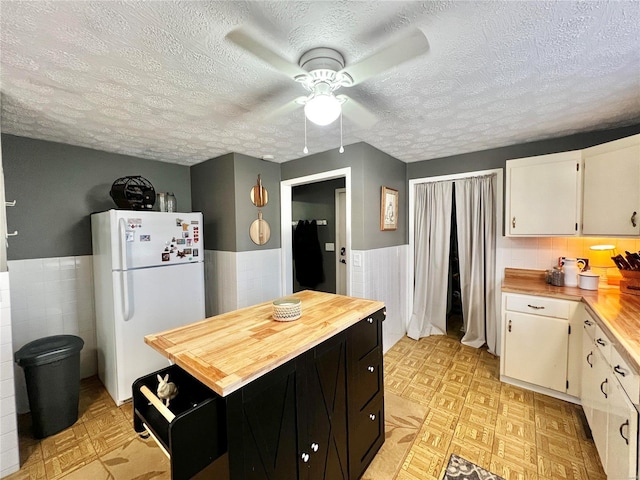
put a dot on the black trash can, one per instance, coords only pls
(52, 373)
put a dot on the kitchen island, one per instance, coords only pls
(288, 400)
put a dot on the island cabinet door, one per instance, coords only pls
(322, 412)
(262, 427)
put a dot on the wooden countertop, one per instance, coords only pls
(228, 351)
(618, 313)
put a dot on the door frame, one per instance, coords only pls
(338, 214)
(286, 218)
(499, 237)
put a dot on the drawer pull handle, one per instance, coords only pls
(588, 323)
(535, 307)
(606, 380)
(619, 370)
(372, 417)
(156, 402)
(625, 424)
(633, 219)
(370, 320)
(371, 368)
(588, 355)
(314, 447)
(601, 342)
(305, 457)
(513, 222)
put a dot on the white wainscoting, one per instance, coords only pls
(9, 453)
(382, 275)
(239, 279)
(52, 296)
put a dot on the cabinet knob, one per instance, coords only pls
(315, 447)
(370, 320)
(305, 457)
(633, 219)
(618, 369)
(372, 417)
(371, 368)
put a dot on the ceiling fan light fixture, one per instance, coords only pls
(322, 109)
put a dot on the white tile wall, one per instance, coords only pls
(9, 456)
(238, 279)
(542, 253)
(52, 296)
(382, 275)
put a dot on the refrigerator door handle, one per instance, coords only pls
(126, 313)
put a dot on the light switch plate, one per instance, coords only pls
(330, 247)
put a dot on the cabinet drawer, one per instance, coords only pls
(365, 335)
(368, 435)
(629, 378)
(196, 435)
(603, 344)
(367, 379)
(547, 307)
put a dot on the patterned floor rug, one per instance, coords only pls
(461, 469)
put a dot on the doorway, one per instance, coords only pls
(286, 220)
(316, 249)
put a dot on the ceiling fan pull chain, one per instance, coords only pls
(305, 150)
(341, 150)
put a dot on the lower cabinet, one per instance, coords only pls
(608, 384)
(541, 344)
(318, 417)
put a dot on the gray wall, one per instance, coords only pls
(370, 170)
(221, 187)
(57, 187)
(212, 193)
(496, 158)
(246, 176)
(317, 201)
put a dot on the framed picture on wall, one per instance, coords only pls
(388, 209)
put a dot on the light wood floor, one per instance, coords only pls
(507, 430)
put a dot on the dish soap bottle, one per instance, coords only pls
(570, 272)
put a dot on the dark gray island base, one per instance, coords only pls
(318, 415)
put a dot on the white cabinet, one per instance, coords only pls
(543, 195)
(541, 346)
(611, 188)
(608, 386)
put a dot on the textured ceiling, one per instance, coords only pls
(159, 80)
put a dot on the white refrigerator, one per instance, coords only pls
(148, 277)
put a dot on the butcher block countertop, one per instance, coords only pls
(619, 314)
(228, 351)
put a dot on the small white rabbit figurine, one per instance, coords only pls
(167, 390)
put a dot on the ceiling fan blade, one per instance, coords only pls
(285, 108)
(255, 48)
(357, 113)
(399, 52)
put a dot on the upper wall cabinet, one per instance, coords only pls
(543, 195)
(611, 189)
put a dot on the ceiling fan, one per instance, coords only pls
(322, 71)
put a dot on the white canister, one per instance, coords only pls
(589, 280)
(571, 271)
